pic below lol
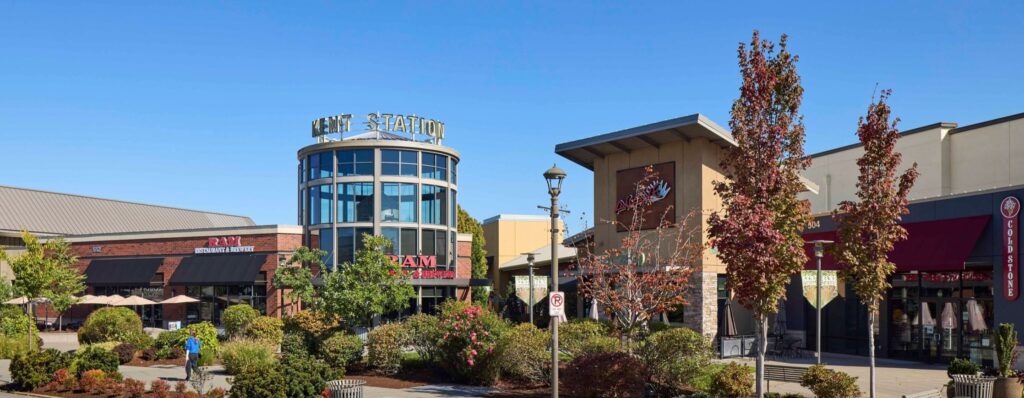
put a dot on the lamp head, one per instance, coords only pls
(554, 177)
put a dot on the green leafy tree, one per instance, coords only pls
(469, 225)
(373, 285)
(47, 270)
(758, 232)
(869, 228)
(297, 276)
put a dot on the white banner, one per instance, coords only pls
(540, 288)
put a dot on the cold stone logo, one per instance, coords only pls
(653, 192)
(396, 123)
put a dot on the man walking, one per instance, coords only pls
(192, 345)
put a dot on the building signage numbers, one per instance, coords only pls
(224, 244)
(1010, 209)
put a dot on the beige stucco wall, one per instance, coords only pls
(987, 157)
(510, 236)
(696, 169)
(836, 173)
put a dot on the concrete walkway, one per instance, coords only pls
(894, 378)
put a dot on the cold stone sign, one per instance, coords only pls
(390, 122)
(224, 244)
(1010, 209)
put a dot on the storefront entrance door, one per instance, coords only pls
(940, 329)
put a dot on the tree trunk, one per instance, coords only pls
(871, 354)
(762, 347)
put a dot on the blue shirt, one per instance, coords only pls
(192, 345)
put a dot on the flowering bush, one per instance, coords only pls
(469, 335)
(384, 348)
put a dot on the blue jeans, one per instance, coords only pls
(191, 363)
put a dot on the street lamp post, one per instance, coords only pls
(819, 252)
(529, 265)
(554, 177)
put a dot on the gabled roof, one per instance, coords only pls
(52, 213)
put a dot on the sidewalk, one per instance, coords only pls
(893, 377)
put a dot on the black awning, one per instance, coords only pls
(234, 269)
(122, 272)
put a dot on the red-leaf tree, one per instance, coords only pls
(758, 231)
(868, 229)
(649, 271)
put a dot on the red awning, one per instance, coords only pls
(941, 245)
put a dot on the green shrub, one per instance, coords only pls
(675, 356)
(424, 334)
(702, 381)
(1006, 349)
(962, 366)
(341, 350)
(205, 331)
(110, 324)
(312, 324)
(12, 346)
(384, 347)
(94, 357)
(306, 376)
(733, 380)
(608, 374)
(828, 383)
(598, 344)
(468, 337)
(263, 381)
(125, 352)
(241, 355)
(15, 322)
(265, 328)
(237, 317)
(573, 335)
(295, 344)
(657, 326)
(35, 369)
(522, 354)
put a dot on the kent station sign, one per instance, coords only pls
(389, 122)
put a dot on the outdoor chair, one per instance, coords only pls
(973, 386)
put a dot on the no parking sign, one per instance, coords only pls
(556, 304)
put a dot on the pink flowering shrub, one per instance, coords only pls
(468, 336)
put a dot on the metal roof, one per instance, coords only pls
(52, 213)
(584, 151)
(541, 256)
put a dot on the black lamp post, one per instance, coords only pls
(554, 177)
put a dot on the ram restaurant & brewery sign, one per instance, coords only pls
(657, 196)
(422, 267)
(1010, 209)
(391, 122)
(224, 244)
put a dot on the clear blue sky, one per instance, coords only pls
(203, 105)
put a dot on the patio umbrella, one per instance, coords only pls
(593, 310)
(730, 320)
(17, 301)
(948, 317)
(180, 299)
(132, 301)
(95, 300)
(924, 318)
(111, 299)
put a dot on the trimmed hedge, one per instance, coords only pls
(242, 355)
(341, 350)
(236, 317)
(111, 324)
(676, 356)
(265, 328)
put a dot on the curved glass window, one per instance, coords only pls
(327, 245)
(355, 202)
(454, 168)
(320, 199)
(434, 205)
(350, 241)
(398, 202)
(435, 243)
(453, 210)
(435, 166)
(355, 162)
(321, 165)
(398, 163)
(403, 240)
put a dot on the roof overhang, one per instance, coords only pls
(583, 152)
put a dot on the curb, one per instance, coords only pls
(29, 394)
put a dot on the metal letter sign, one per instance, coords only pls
(556, 304)
(1010, 208)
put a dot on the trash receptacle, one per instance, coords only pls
(347, 388)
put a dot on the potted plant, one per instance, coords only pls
(1007, 384)
(959, 366)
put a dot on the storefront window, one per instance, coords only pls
(213, 300)
(350, 241)
(398, 163)
(355, 202)
(434, 205)
(357, 162)
(435, 166)
(320, 198)
(398, 202)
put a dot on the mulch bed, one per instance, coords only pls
(79, 394)
(407, 378)
(138, 361)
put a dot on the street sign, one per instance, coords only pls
(556, 304)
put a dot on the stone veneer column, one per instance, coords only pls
(700, 312)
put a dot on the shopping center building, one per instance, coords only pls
(952, 283)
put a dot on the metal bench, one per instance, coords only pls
(788, 374)
(926, 394)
